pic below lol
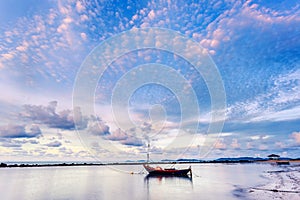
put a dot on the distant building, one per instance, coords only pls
(273, 157)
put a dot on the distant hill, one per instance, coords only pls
(138, 162)
(241, 159)
(189, 160)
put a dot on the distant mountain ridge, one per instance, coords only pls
(138, 162)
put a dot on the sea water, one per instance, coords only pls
(209, 181)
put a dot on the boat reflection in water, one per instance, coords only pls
(170, 177)
(167, 186)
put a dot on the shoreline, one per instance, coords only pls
(22, 165)
(283, 184)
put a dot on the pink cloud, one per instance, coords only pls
(296, 137)
(220, 144)
(79, 7)
(235, 144)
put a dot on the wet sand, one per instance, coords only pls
(284, 183)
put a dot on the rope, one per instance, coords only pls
(140, 172)
(196, 174)
(125, 171)
(172, 165)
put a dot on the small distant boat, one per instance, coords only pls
(165, 171)
(283, 162)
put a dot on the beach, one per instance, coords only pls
(284, 183)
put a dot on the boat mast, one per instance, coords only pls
(148, 152)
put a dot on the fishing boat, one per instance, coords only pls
(165, 171)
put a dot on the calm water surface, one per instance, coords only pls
(209, 181)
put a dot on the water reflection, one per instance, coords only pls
(163, 187)
(170, 177)
(94, 182)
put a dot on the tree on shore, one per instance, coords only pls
(3, 165)
(273, 157)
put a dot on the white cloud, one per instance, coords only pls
(272, 105)
(54, 144)
(268, 15)
(260, 137)
(97, 127)
(117, 135)
(18, 131)
(284, 115)
(287, 87)
(227, 25)
(132, 141)
(255, 137)
(47, 115)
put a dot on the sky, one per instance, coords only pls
(100, 80)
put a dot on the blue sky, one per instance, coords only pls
(44, 45)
